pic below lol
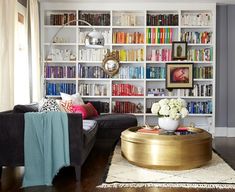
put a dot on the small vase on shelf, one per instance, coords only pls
(168, 124)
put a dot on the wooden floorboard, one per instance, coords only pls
(93, 171)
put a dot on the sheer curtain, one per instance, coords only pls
(34, 47)
(7, 53)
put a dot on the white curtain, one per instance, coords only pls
(34, 49)
(7, 53)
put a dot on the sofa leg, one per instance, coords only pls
(78, 172)
(0, 172)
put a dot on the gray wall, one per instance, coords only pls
(225, 69)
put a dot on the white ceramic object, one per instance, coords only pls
(168, 124)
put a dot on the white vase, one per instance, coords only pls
(168, 124)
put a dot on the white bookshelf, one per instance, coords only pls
(136, 16)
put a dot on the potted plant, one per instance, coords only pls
(169, 111)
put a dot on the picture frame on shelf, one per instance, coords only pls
(179, 50)
(179, 76)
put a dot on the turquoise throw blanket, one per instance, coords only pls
(46, 146)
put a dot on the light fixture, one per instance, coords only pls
(93, 39)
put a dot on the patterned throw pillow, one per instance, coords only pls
(66, 105)
(87, 110)
(49, 105)
(75, 98)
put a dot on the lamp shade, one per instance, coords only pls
(94, 39)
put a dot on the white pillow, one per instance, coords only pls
(76, 98)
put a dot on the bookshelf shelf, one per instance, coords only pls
(69, 62)
(196, 27)
(154, 27)
(60, 44)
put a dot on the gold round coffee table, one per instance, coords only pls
(170, 152)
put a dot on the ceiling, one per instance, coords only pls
(143, 1)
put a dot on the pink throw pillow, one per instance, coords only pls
(87, 110)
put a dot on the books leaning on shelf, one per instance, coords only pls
(201, 90)
(205, 54)
(155, 72)
(128, 38)
(160, 35)
(91, 54)
(162, 19)
(92, 89)
(196, 19)
(85, 71)
(102, 19)
(124, 107)
(161, 54)
(126, 90)
(200, 107)
(203, 72)
(130, 72)
(60, 71)
(62, 18)
(195, 37)
(130, 54)
(54, 89)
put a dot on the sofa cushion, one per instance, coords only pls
(89, 130)
(26, 108)
(87, 110)
(76, 98)
(111, 125)
(49, 105)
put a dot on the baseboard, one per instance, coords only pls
(224, 132)
(220, 132)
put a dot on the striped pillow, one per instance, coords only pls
(66, 105)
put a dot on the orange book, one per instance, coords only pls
(154, 131)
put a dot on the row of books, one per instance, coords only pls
(155, 72)
(160, 35)
(95, 19)
(106, 35)
(91, 72)
(195, 37)
(200, 54)
(202, 90)
(131, 54)
(56, 88)
(156, 92)
(130, 72)
(128, 38)
(126, 19)
(126, 90)
(203, 72)
(196, 19)
(200, 107)
(61, 55)
(161, 54)
(162, 19)
(123, 107)
(91, 54)
(92, 89)
(62, 18)
(60, 71)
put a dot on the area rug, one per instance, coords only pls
(120, 173)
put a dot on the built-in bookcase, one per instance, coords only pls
(142, 34)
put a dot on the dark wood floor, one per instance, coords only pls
(93, 171)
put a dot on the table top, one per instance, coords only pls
(184, 133)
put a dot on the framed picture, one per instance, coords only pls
(179, 50)
(179, 75)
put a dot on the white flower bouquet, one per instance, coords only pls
(173, 108)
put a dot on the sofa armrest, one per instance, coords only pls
(12, 139)
(75, 138)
